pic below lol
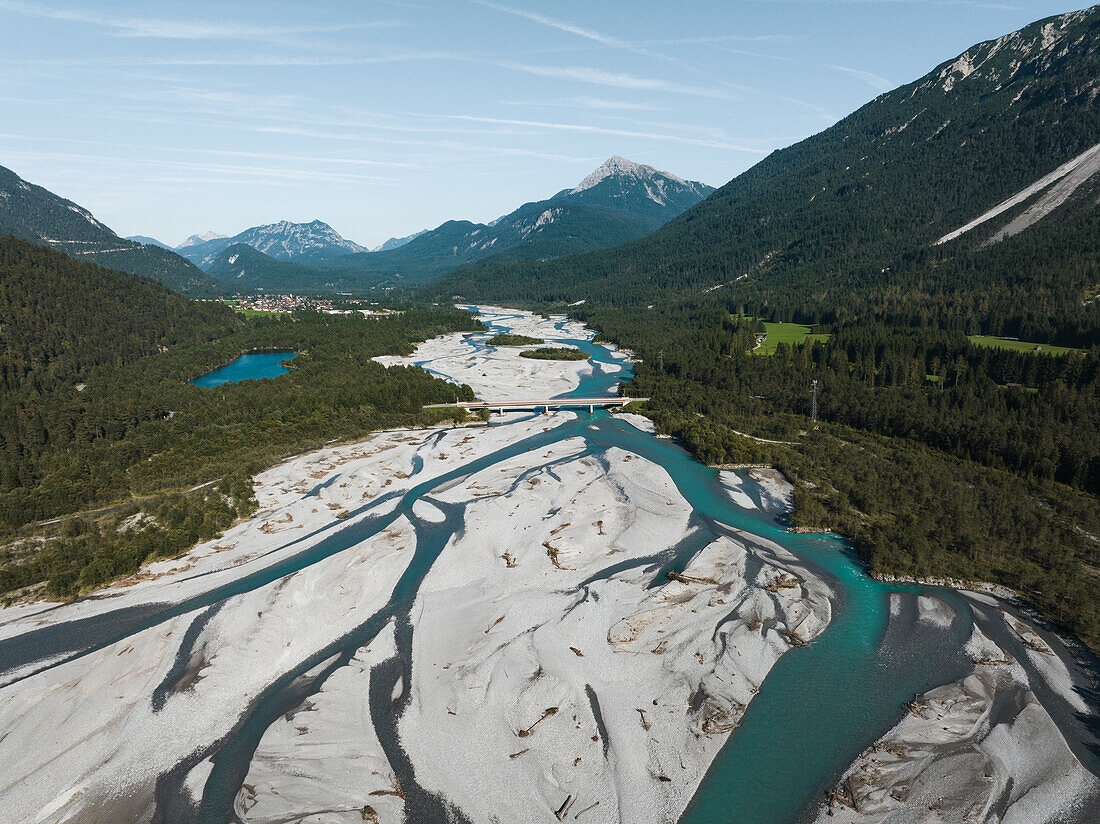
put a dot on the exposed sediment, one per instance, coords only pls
(500, 371)
(979, 749)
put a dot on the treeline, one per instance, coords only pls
(1041, 285)
(1031, 413)
(513, 340)
(555, 353)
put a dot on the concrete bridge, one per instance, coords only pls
(500, 406)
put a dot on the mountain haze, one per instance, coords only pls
(195, 240)
(618, 202)
(145, 240)
(397, 242)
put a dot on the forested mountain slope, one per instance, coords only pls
(38, 215)
(534, 231)
(851, 216)
(60, 318)
(245, 269)
(963, 203)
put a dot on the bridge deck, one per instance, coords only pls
(532, 403)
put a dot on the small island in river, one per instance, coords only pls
(505, 339)
(560, 353)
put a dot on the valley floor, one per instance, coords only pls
(470, 623)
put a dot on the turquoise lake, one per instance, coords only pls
(250, 367)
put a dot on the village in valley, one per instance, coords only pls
(287, 304)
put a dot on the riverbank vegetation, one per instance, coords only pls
(97, 412)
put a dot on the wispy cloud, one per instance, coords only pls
(226, 171)
(617, 80)
(250, 61)
(573, 28)
(590, 129)
(873, 80)
(560, 25)
(693, 40)
(127, 149)
(185, 29)
(975, 4)
(585, 103)
(753, 54)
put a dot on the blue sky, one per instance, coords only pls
(382, 118)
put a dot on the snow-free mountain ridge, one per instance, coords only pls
(145, 240)
(616, 166)
(397, 242)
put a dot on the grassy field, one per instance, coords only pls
(789, 333)
(1020, 345)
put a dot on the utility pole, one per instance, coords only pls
(813, 413)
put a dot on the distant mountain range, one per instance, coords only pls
(309, 243)
(618, 202)
(32, 213)
(978, 181)
(247, 269)
(196, 240)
